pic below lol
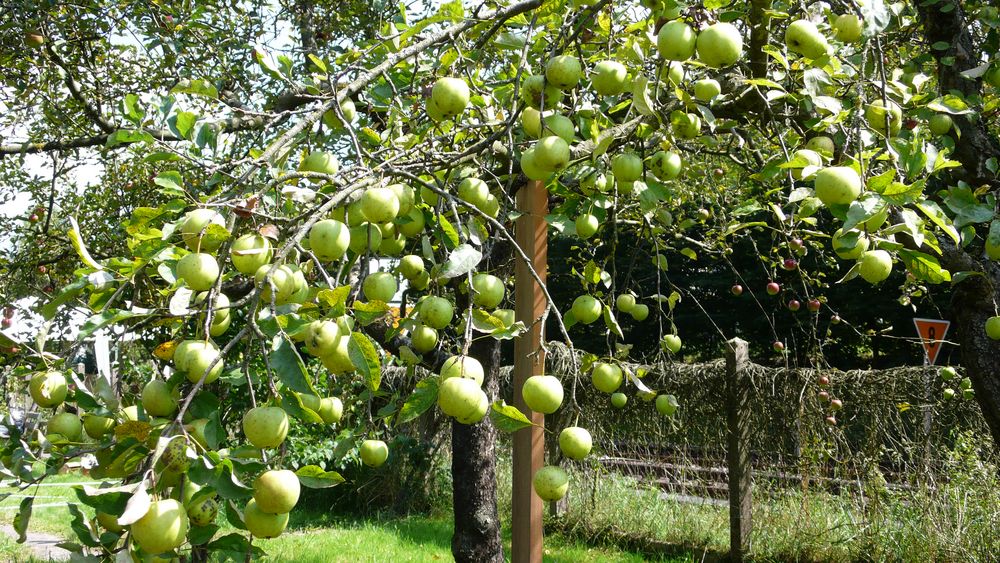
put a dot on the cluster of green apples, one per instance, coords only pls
(965, 390)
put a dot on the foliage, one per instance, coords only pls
(220, 171)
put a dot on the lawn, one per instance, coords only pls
(319, 537)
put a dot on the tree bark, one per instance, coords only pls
(473, 471)
(975, 298)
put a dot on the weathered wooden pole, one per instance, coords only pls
(531, 234)
(738, 447)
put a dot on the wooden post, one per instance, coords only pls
(738, 448)
(531, 234)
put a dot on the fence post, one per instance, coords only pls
(738, 447)
(531, 234)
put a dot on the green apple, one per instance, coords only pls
(673, 73)
(423, 339)
(940, 123)
(665, 165)
(875, 265)
(193, 229)
(993, 328)
(802, 37)
(333, 121)
(672, 342)
(850, 245)
(261, 524)
(812, 161)
(331, 409)
(374, 452)
(200, 356)
(462, 366)
(720, 45)
(250, 252)
(531, 122)
(198, 270)
(506, 316)
(592, 180)
(474, 192)
(322, 337)
(877, 114)
(365, 237)
(627, 167)
(265, 427)
(625, 302)
(489, 290)
(558, 125)
(392, 246)
(530, 167)
(706, 89)
(97, 426)
(450, 95)
(410, 266)
(685, 125)
(411, 224)
(48, 389)
(847, 28)
(542, 393)
(821, 144)
(163, 528)
(276, 491)
(675, 41)
(131, 413)
(203, 512)
(837, 185)
(320, 162)
(948, 373)
(587, 309)
(666, 405)
(282, 278)
(618, 400)
(339, 361)
(607, 378)
(587, 225)
(34, 39)
(109, 522)
(436, 312)
(563, 71)
(379, 205)
(550, 483)
(608, 78)
(640, 312)
(535, 91)
(405, 196)
(158, 399)
(551, 153)
(463, 400)
(380, 286)
(575, 442)
(67, 425)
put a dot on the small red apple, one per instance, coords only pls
(794, 305)
(773, 288)
(778, 346)
(736, 290)
(910, 124)
(831, 420)
(790, 264)
(824, 396)
(42, 269)
(813, 305)
(7, 322)
(33, 218)
(823, 381)
(836, 405)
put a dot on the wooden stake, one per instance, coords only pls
(531, 234)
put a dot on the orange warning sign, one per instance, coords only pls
(931, 333)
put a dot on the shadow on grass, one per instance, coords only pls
(417, 529)
(612, 537)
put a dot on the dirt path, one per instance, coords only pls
(42, 546)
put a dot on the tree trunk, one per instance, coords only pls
(980, 354)
(473, 471)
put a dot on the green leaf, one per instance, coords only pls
(170, 180)
(934, 212)
(236, 544)
(315, 477)
(950, 103)
(227, 484)
(863, 209)
(200, 535)
(924, 266)
(182, 123)
(462, 260)
(508, 418)
(285, 361)
(111, 500)
(334, 299)
(611, 322)
(101, 320)
(198, 87)
(126, 136)
(422, 398)
(22, 518)
(79, 525)
(68, 292)
(364, 356)
(367, 312)
(293, 404)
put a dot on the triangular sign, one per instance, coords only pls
(932, 332)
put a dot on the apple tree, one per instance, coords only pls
(243, 191)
